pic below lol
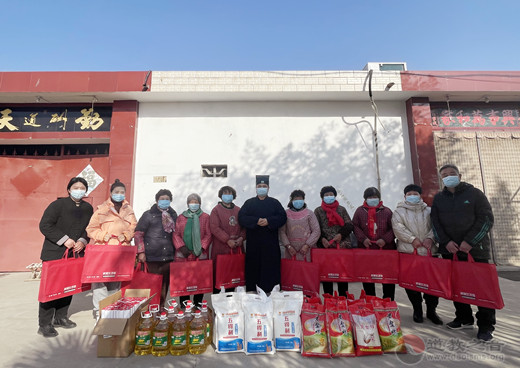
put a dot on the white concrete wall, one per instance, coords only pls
(301, 145)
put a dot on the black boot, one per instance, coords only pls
(432, 315)
(418, 313)
(47, 331)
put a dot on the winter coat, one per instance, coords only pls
(383, 231)
(410, 221)
(62, 220)
(156, 243)
(302, 228)
(463, 215)
(205, 237)
(106, 220)
(224, 227)
(329, 232)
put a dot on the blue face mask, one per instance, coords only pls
(118, 197)
(163, 204)
(413, 199)
(77, 194)
(372, 202)
(329, 199)
(227, 198)
(194, 207)
(262, 192)
(451, 181)
(298, 203)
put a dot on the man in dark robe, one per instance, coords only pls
(262, 216)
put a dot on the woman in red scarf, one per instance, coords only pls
(373, 230)
(336, 226)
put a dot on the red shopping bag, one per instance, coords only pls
(108, 263)
(300, 276)
(61, 278)
(373, 265)
(142, 279)
(191, 277)
(335, 265)
(427, 274)
(476, 283)
(230, 270)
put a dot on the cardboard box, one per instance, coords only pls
(116, 336)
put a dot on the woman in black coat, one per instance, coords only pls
(63, 224)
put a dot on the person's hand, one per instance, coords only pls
(107, 237)
(380, 243)
(304, 249)
(427, 243)
(78, 246)
(416, 243)
(465, 247)
(367, 243)
(121, 238)
(262, 222)
(232, 243)
(185, 251)
(141, 257)
(291, 250)
(452, 247)
(337, 238)
(69, 243)
(239, 241)
(325, 242)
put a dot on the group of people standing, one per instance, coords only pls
(458, 222)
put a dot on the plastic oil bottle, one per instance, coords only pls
(172, 314)
(143, 335)
(155, 311)
(161, 337)
(209, 322)
(188, 311)
(197, 334)
(179, 335)
(173, 303)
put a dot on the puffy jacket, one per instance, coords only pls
(205, 237)
(156, 243)
(410, 221)
(106, 220)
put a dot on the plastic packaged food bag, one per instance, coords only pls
(258, 316)
(287, 306)
(315, 341)
(339, 327)
(389, 326)
(228, 328)
(365, 329)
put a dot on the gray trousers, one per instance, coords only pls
(100, 290)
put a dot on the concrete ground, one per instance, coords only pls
(22, 347)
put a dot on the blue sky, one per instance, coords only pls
(258, 35)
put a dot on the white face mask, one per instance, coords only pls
(194, 207)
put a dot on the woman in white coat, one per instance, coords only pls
(412, 227)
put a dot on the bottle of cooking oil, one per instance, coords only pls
(173, 303)
(161, 337)
(197, 330)
(179, 340)
(209, 322)
(155, 311)
(172, 314)
(143, 335)
(188, 311)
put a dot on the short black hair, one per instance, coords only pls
(76, 180)
(327, 189)
(370, 192)
(116, 184)
(227, 188)
(449, 166)
(296, 193)
(412, 188)
(162, 192)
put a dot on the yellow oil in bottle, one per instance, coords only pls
(161, 337)
(143, 335)
(179, 335)
(197, 334)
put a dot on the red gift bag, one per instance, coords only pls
(476, 283)
(191, 277)
(142, 279)
(108, 263)
(230, 270)
(300, 276)
(374, 265)
(335, 265)
(61, 278)
(427, 274)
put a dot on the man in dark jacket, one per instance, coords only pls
(461, 219)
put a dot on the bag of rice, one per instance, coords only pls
(339, 328)
(389, 326)
(365, 329)
(228, 328)
(287, 307)
(314, 331)
(258, 315)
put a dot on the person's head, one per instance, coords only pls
(77, 188)
(450, 175)
(297, 200)
(227, 194)
(328, 194)
(372, 196)
(193, 202)
(163, 198)
(412, 193)
(262, 185)
(117, 191)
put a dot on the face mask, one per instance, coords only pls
(227, 198)
(298, 203)
(194, 207)
(329, 199)
(262, 192)
(77, 193)
(118, 197)
(451, 181)
(163, 203)
(413, 198)
(372, 202)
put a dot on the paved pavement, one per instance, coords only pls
(22, 347)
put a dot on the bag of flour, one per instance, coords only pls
(228, 328)
(258, 315)
(287, 306)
